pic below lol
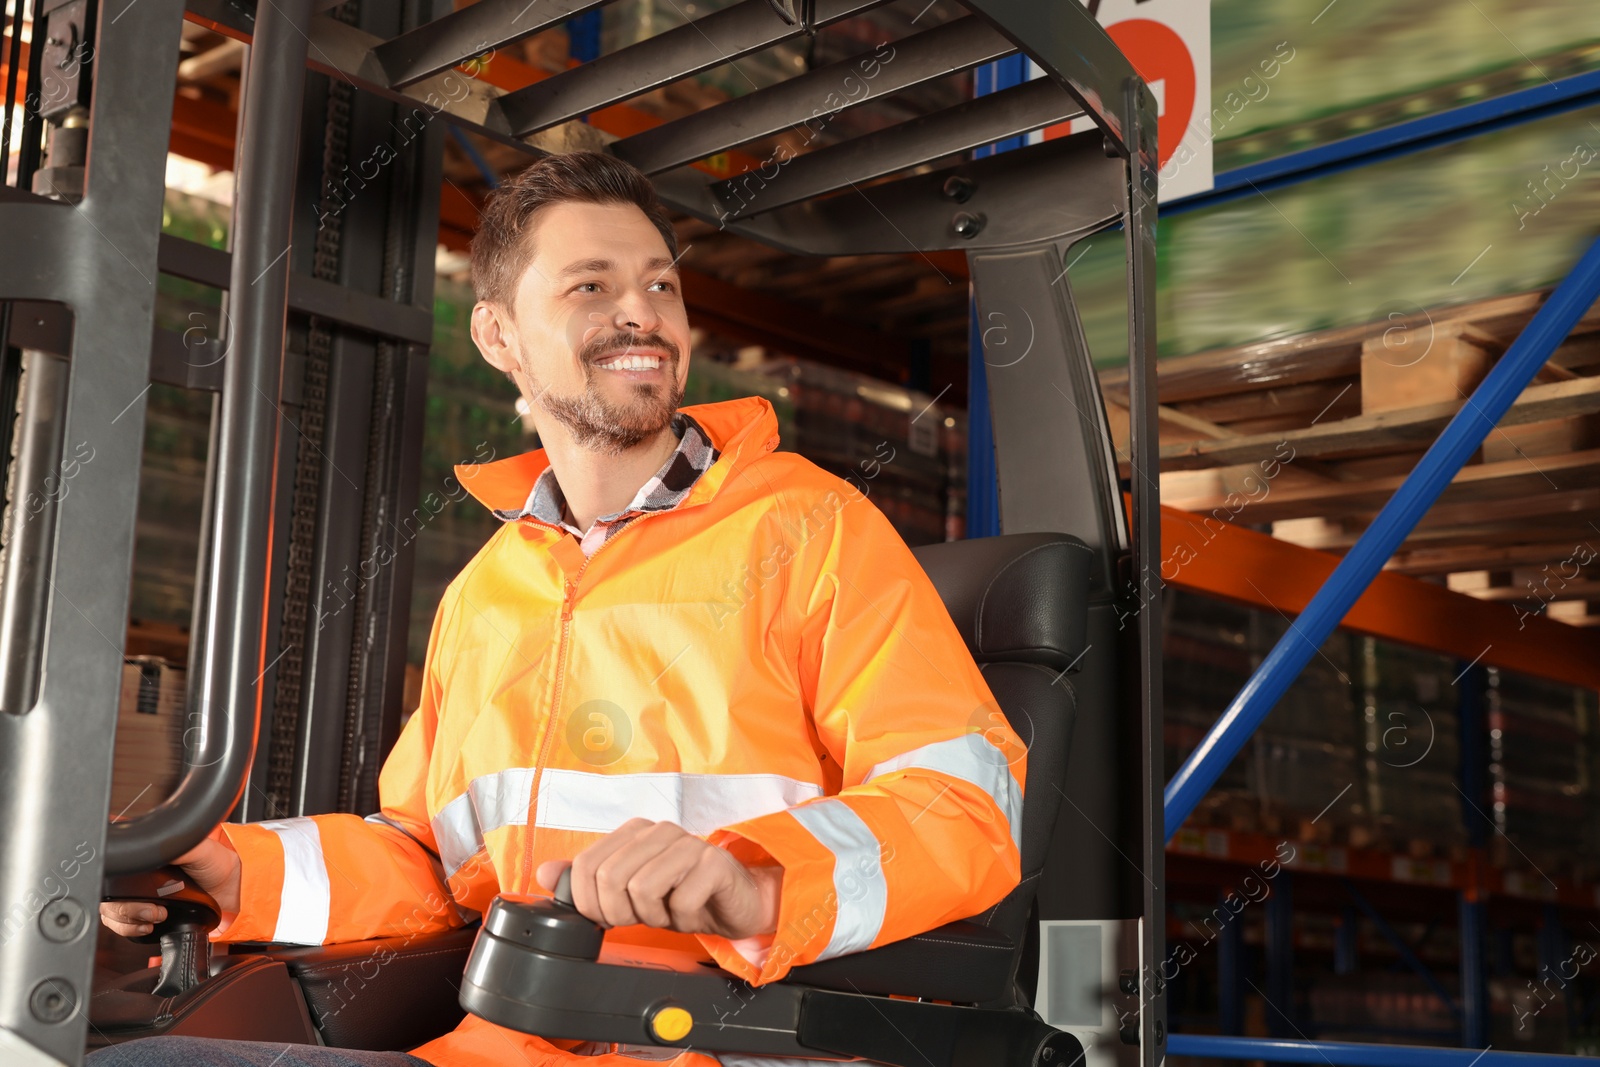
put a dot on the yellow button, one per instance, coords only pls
(672, 1024)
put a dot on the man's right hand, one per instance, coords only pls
(214, 866)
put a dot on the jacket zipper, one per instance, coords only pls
(568, 598)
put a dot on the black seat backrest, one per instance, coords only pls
(1021, 603)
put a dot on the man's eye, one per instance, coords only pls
(586, 287)
(665, 287)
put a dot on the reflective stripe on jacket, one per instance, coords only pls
(765, 664)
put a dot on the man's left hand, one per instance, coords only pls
(659, 874)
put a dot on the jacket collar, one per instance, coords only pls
(741, 430)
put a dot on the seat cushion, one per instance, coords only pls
(384, 994)
(1021, 598)
(960, 961)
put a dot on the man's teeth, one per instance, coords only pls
(633, 363)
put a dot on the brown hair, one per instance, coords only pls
(500, 249)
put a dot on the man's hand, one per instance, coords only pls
(214, 866)
(659, 874)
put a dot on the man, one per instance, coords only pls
(707, 675)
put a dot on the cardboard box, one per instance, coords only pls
(149, 743)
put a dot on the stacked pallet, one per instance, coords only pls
(896, 445)
(1308, 759)
(1412, 733)
(1296, 773)
(1207, 661)
(150, 735)
(1541, 763)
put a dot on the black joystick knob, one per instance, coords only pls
(191, 915)
(550, 925)
(564, 889)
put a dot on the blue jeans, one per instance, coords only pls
(215, 1052)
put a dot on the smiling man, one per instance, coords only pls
(809, 772)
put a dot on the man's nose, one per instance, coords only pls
(635, 311)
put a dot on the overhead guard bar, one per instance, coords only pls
(1438, 466)
(1068, 43)
(1064, 39)
(980, 121)
(467, 32)
(229, 652)
(681, 51)
(923, 57)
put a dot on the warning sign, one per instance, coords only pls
(1169, 44)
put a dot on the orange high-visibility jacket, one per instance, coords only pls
(765, 664)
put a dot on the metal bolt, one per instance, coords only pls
(959, 189)
(967, 224)
(53, 1000)
(62, 920)
(1161, 1031)
(1128, 982)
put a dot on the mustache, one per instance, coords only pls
(611, 344)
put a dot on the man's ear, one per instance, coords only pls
(495, 334)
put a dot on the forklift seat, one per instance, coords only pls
(1020, 603)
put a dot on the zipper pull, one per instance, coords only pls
(566, 603)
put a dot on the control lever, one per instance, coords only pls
(191, 915)
(551, 925)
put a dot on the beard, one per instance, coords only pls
(601, 425)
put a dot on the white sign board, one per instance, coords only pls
(1169, 44)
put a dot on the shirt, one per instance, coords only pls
(663, 491)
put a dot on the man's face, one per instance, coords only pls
(598, 339)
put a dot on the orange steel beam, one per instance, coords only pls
(203, 131)
(22, 65)
(1205, 555)
(458, 217)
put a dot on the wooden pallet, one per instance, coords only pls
(1356, 407)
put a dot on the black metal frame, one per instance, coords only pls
(98, 259)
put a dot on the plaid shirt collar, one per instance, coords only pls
(663, 491)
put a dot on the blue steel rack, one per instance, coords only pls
(1434, 472)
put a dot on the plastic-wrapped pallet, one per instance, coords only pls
(149, 744)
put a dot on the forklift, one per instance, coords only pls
(329, 314)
